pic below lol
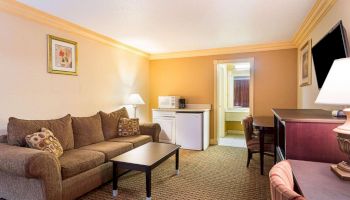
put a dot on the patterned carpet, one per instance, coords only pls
(217, 173)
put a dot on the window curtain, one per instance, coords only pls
(241, 91)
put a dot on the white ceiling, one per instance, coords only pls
(162, 26)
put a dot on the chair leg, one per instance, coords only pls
(249, 157)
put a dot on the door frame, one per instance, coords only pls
(251, 60)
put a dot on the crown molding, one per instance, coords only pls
(227, 50)
(318, 11)
(20, 9)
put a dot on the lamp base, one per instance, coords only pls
(135, 109)
(340, 171)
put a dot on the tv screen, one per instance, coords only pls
(332, 46)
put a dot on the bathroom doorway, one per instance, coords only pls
(234, 99)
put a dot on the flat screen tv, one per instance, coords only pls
(332, 46)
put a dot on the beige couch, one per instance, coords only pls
(33, 174)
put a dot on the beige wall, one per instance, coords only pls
(340, 11)
(193, 78)
(106, 75)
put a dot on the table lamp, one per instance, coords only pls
(336, 91)
(134, 100)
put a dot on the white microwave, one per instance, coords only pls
(168, 101)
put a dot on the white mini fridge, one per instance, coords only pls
(189, 130)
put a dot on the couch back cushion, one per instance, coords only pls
(110, 122)
(87, 130)
(18, 129)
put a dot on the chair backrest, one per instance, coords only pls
(248, 127)
(281, 182)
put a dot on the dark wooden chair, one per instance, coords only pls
(252, 140)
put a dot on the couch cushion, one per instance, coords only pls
(76, 161)
(87, 130)
(136, 140)
(110, 149)
(110, 122)
(18, 129)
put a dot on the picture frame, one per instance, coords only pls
(305, 64)
(62, 56)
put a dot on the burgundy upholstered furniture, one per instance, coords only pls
(281, 182)
(252, 140)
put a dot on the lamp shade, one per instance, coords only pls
(135, 99)
(336, 88)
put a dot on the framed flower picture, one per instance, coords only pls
(305, 62)
(62, 56)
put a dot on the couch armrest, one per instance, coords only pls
(152, 129)
(3, 138)
(32, 163)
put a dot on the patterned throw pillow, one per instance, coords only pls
(128, 127)
(45, 141)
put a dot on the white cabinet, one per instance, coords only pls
(166, 120)
(185, 127)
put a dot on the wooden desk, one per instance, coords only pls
(264, 124)
(307, 134)
(317, 182)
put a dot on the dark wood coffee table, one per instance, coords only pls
(144, 158)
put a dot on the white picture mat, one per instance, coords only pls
(53, 57)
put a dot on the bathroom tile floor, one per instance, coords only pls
(233, 140)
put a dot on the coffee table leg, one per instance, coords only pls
(177, 162)
(115, 180)
(148, 183)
